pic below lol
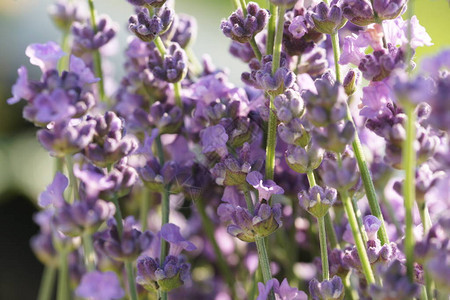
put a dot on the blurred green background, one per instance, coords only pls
(25, 169)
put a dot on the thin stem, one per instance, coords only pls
(159, 150)
(278, 40)
(96, 55)
(243, 6)
(271, 28)
(59, 164)
(359, 219)
(359, 154)
(271, 140)
(255, 49)
(146, 199)
(332, 238)
(118, 215)
(72, 178)
(409, 191)
(350, 293)
(162, 295)
(130, 276)
(424, 217)
(263, 259)
(367, 270)
(160, 45)
(164, 220)
(47, 283)
(177, 92)
(323, 249)
(63, 62)
(322, 234)
(248, 201)
(89, 253)
(63, 292)
(208, 226)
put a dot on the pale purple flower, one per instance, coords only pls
(214, 139)
(77, 66)
(298, 27)
(388, 9)
(419, 36)
(397, 32)
(100, 286)
(282, 292)
(54, 194)
(171, 233)
(266, 188)
(56, 106)
(371, 224)
(21, 89)
(328, 289)
(45, 56)
(437, 63)
(351, 53)
(375, 98)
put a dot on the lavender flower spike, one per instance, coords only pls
(100, 286)
(327, 290)
(45, 56)
(148, 28)
(327, 19)
(242, 28)
(266, 188)
(309, 200)
(171, 233)
(283, 291)
(172, 67)
(359, 12)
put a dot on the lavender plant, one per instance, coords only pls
(177, 157)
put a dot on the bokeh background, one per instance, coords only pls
(25, 168)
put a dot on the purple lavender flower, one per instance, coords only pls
(66, 138)
(313, 63)
(296, 132)
(86, 40)
(351, 81)
(388, 9)
(327, 290)
(317, 200)
(96, 285)
(166, 117)
(54, 193)
(183, 30)
(284, 3)
(171, 233)
(125, 247)
(261, 76)
(298, 27)
(327, 19)
(351, 52)
(371, 225)
(152, 3)
(21, 89)
(381, 63)
(266, 188)
(376, 99)
(82, 217)
(396, 284)
(359, 12)
(172, 274)
(303, 160)
(214, 140)
(109, 144)
(45, 56)
(77, 66)
(63, 13)
(334, 137)
(440, 118)
(172, 67)
(339, 176)
(289, 105)
(283, 291)
(327, 106)
(242, 51)
(148, 28)
(243, 28)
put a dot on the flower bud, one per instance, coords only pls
(351, 81)
(303, 160)
(327, 290)
(317, 200)
(327, 19)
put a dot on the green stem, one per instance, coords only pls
(59, 164)
(160, 150)
(72, 178)
(118, 215)
(130, 276)
(409, 165)
(89, 253)
(164, 220)
(47, 283)
(255, 49)
(162, 295)
(367, 270)
(146, 199)
(177, 92)
(271, 140)
(63, 292)
(278, 40)
(359, 154)
(424, 217)
(322, 234)
(323, 249)
(358, 214)
(263, 259)
(350, 293)
(248, 201)
(243, 5)
(332, 238)
(64, 61)
(195, 64)
(271, 28)
(208, 226)
(160, 45)
(96, 55)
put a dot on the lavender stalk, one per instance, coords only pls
(47, 283)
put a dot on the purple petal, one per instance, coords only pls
(46, 56)
(20, 89)
(54, 194)
(100, 286)
(78, 66)
(171, 233)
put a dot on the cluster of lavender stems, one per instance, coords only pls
(175, 130)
